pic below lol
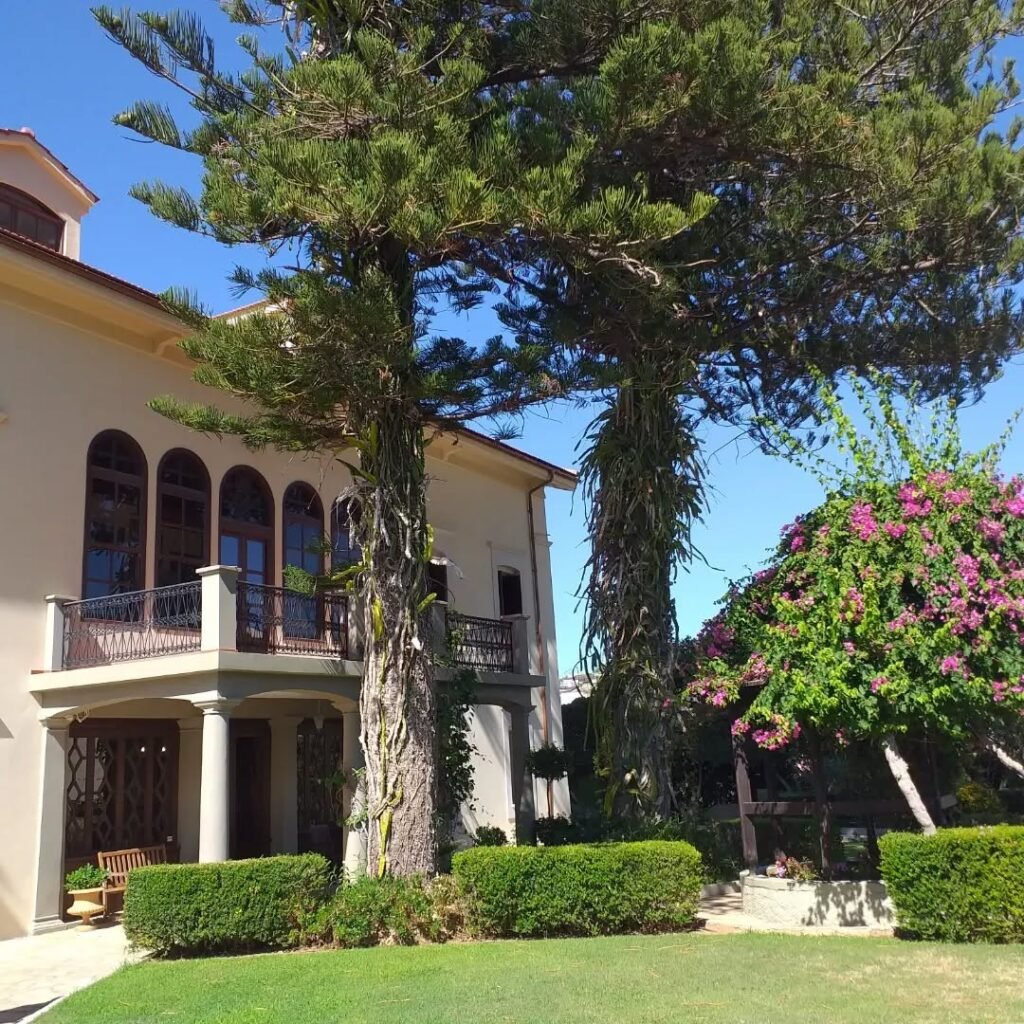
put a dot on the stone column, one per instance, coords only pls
(284, 764)
(49, 898)
(520, 643)
(220, 611)
(522, 780)
(190, 765)
(354, 795)
(215, 793)
(53, 650)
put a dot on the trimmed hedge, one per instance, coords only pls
(959, 885)
(601, 889)
(231, 907)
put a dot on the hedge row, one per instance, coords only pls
(579, 890)
(959, 885)
(231, 907)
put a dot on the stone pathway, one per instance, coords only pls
(723, 914)
(37, 969)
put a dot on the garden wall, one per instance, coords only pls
(789, 904)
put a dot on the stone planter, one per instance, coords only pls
(87, 903)
(788, 904)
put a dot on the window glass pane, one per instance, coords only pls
(229, 550)
(255, 552)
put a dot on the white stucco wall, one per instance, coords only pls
(60, 385)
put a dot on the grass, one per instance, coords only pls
(691, 978)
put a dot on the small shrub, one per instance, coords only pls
(490, 835)
(579, 890)
(556, 831)
(386, 911)
(88, 876)
(231, 907)
(959, 885)
(977, 798)
(717, 841)
(549, 762)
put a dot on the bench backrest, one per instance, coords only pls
(118, 863)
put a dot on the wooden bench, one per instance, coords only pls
(117, 864)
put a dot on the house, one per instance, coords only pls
(157, 682)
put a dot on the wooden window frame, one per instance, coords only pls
(247, 530)
(309, 520)
(117, 477)
(26, 203)
(185, 493)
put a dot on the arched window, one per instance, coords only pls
(303, 528)
(183, 518)
(344, 548)
(247, 524)
(115, 516)
(26, 216)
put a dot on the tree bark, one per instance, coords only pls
(642, 481)
(901, 773)
(397, 697)
(1006, 759)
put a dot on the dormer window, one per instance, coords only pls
(27, 217)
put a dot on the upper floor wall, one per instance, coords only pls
(62, 387)
(37, 189)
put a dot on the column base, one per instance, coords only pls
(45, 925)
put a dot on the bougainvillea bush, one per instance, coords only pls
(896, 605)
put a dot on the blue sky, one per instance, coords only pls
(69, 90)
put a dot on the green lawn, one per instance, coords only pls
(711, 979)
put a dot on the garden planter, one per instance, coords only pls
(87, 903)
(789, 904)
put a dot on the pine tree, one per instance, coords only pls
(865, 191)
(383, 148)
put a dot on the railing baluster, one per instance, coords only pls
(480, 643)
(131, 626)
(276, 620)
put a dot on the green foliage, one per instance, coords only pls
(549, 762)
(976, 798)
(454, 711)
(895, 606)
(556, 831)
(87, 876)
(382, 911)
(528, 891)
(959, 885)
(490, 835)
(237, 906)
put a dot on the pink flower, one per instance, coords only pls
(957, 497)
(862, 520)
(841, 738)
(915, 504)
(877, 683)
(719, 698)
(952, 663)
(849, 647)
(740, 728)
(798, 543)
(932, 550)
(999, 691)
(824, 530)
(895, 530)
(1015, 506)
(939, 478)
(991, 530)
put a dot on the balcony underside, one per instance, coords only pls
(235, 675)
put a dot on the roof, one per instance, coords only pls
(27, 135)
(560, 477)
(79, 269)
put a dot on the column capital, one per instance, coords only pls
(56, 724)
(193, 724)
(217, 706)
(59, 599)
(219, 570)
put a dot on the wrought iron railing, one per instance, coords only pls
(131, 626)
(480, 643)
(275, 620)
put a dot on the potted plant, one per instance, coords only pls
(85, 886)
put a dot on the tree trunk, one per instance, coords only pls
(1006, 759)
(397, 698)
(901, 773)
(642, 484)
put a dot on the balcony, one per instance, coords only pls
(222, 615)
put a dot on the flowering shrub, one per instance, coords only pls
(897, 604)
